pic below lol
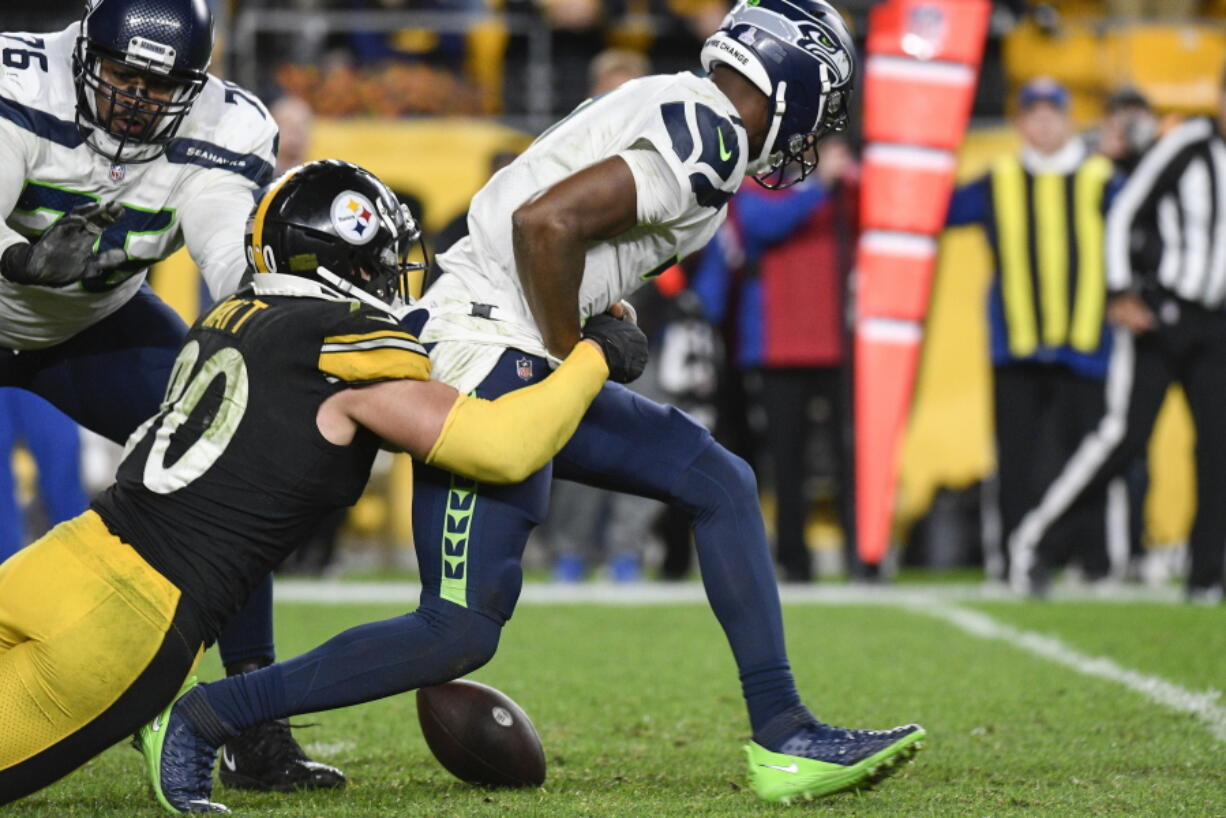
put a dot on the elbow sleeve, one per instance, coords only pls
(506, 440)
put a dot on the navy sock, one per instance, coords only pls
(438, 642)
(720, 490)
(248, 698)
(248, 635)
(196, 706)
(775, 733)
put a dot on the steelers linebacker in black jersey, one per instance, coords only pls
(274, 412)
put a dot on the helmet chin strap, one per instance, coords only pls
(781, 107)
(347, 288)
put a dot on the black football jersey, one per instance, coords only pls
(232, 473)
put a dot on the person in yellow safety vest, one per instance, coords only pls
(1042, 212)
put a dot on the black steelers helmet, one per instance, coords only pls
(337, 224)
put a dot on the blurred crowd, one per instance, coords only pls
(751, 336)
(472, 56)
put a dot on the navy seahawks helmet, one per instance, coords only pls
(336, 224)
(800, 54)
(159, 45)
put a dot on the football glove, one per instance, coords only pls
(623, 343)
(64, 254)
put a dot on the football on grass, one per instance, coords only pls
(480, 735)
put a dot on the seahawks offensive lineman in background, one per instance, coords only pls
(610, 196)
(116, 149)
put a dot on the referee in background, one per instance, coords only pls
(1166, 271)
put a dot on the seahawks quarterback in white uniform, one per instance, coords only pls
(685, 145)
(609, 197)
(116, 149)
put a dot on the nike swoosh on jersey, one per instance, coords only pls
(724, 153)
(791, 768)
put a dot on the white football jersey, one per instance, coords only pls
(686, 148)
(199, 192)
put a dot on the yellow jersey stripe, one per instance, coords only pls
(1089, 186)
(1051, 238)
(378, 364)
(368, 336)
(1009, 199)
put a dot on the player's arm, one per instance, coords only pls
(213, 218)
(499, 441)
(214, 202)
(552, 234)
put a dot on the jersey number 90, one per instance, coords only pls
(183, 396)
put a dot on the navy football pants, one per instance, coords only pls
(110, 378)
(470, 536)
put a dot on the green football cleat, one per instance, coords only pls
(824, 760)
(179, 761)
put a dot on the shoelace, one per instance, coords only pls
(826, 740)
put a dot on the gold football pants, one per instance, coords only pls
(93, 643)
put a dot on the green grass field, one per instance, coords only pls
(640, 714)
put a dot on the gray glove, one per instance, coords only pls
(64, 254)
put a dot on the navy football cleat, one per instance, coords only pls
(819, 760)
(179, 760)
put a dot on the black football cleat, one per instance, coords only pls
(266, 757)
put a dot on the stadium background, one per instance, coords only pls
(458, 81)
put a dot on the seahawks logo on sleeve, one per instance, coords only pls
(368, 346)
(707, 143)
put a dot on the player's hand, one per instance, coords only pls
(624, 311)
(1131, 312)
(64, 254)
(623, 343)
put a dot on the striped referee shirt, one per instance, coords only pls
(1167, 226)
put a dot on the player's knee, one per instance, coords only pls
(468, 638)
(477, 644)
(743, 476)
(728, 472)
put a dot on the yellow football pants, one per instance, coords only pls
(93, 643)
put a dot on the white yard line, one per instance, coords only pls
(1203, 704)
(663, 593)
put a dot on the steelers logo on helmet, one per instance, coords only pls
(354, 217)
